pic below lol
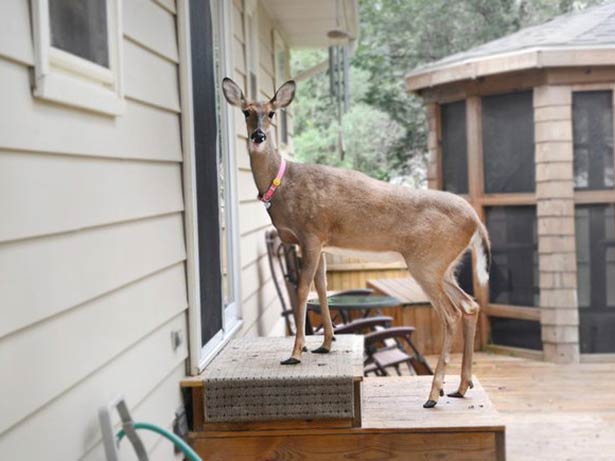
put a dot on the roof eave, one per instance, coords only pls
(533, 58)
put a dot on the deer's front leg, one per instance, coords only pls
(320, 281)
(310, 254)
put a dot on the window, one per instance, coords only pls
(595, 243)
(77, 58)
(217, 316)
(80, 28)
(508, 142)
(281, 76)
(454, 147)
(592, 113)
(514, 268)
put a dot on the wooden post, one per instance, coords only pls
(434, 146)
(556, 223)
(474, 127)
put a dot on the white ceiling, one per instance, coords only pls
(305, 23)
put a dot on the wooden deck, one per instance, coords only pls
(394, 427)
(551, 412)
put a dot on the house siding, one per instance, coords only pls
(92, 247)
(260, 306)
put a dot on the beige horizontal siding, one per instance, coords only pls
(252, 217)
(33, 125)
(15, 32)
(67, 427)
(58, 193)
(91, 247)
(149, 79)
(152, 27)
(169, 5)
(48, 275)
(68, 347)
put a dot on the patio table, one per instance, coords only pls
(355, 303)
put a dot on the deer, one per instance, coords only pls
(322, 208)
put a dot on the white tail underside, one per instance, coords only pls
(481, 259)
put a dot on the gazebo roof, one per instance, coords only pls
(575, 39)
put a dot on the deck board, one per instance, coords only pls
(551, 412)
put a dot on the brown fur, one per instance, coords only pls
(318, 206)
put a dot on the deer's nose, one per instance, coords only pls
(258, 136)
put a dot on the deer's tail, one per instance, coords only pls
(482, 247)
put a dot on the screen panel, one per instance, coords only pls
(454, 147)
(514, 245)
(508, 143)
(592, 117)
(79, 27)
(595, 242)
(516, 333)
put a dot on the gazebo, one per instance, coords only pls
(523, 128)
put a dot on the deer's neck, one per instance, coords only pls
(265, 163)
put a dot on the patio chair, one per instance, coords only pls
(284, 260)
(385, 351)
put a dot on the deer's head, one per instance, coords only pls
(258, 114)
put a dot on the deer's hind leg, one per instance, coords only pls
(434, 286)
(470, 309)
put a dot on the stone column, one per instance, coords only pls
(556, 224)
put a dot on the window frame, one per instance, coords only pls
(200, 355)
(68, 79)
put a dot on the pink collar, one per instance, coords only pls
(267, 196)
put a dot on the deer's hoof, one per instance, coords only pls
(290, 361)
(321, 350)
(429, 404)
(457, 395)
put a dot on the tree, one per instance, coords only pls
(397, 36)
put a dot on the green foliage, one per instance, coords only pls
(385, 130)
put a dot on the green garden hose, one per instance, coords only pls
(179, 443)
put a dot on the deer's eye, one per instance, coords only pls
(271, 114)
(246, 113)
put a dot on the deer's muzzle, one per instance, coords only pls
(258, 136)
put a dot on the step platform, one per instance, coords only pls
(245, 386)
(390, 423)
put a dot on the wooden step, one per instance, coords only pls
(394, 426)
(246, 387)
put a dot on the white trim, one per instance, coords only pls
(69, 79)
(233, 311)
(231, 323)
(189, 186)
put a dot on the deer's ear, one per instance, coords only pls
(284, 96)
(233, 93)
